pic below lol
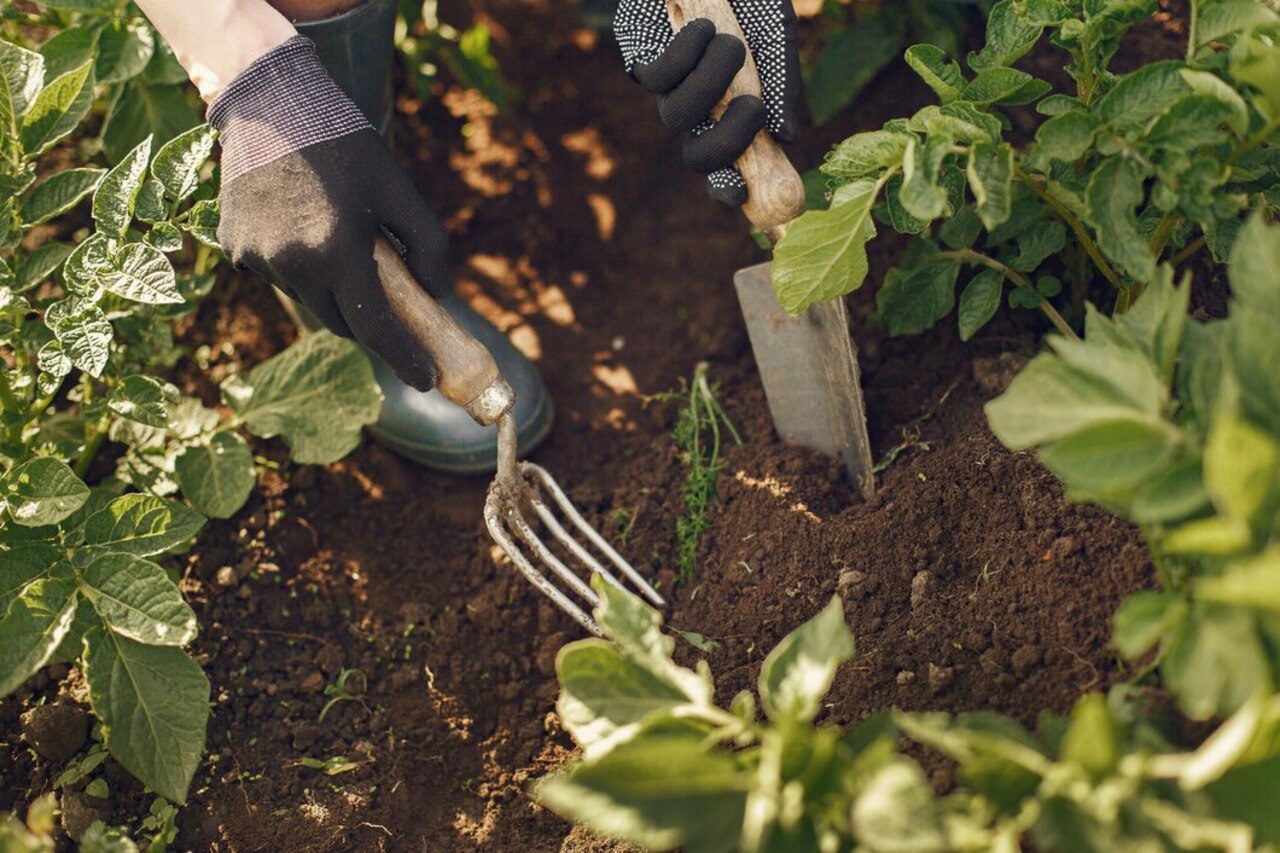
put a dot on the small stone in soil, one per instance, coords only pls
(940, 677)
(225, 577)
(57, 731)
(850, 584)
(922, 587)
(905, 677)
(313, 683)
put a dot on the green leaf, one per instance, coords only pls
(1172, 495)
(216, 476)
(1210, 84)
(153, 702)
(910, 302)
(851, 60)
(22, 564)
(83, 5)
(114, 200)
(1145, 619)
(58, 194)
(21, 72)
(83, 331)
(990, 174)
(1252, 582)
(1252, 343)
(961, 121)
(165, 236)
(1196, 121)
(143, 399)
(896, 812)
(1036, 245)
(142, 525)
(659, 791)
(1156, 321)
(996, 755)
(605, 698)
(1142, 96)
(1092, 740)
(1241, 469)
(317, 395)
(823, 255)
(1113, 195)
(1005, 86)
(1216, 662)
(32, 628)
(1108, 460)
(141, 273)
(177, 164)
(1258, 65)
(42, 491)
(85, 262)
(961, 230)
(936, 69)
(1013, 28)
(866, 154)
(57, 110)
(39, 265)
(150, 205)
(799, 671)
(202, 223)
(136, 599)
(921, 195)
(1065, 138)
(979, 301)
(1215, 21)
(68, 50)
(144, 110)
(124, 49)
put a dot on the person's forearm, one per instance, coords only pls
(215, 40)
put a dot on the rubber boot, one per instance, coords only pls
(357, 47)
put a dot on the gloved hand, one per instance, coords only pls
(307, 186)
(691, 70)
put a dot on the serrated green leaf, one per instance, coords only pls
(32, 629)
(141, 273)
(153, 702)
(1013, 28)
(142, 525)
(136, 599)
(39, 265)
(1113, 195)
(979, 301)
(114, 200)
(911, 301)
(57, 110)
(150, 205)
(990, 174)
(43, 490)
(866, 154)
(202, 223)
(317, 395)
(660, 791)
(165, 236)
(124, 49)
(53, 360)
(84, 264)
(797, 674)
(216, 476)
(83, 331)
(1142, 96)
(58, 194)
(177, 164)
(21, 74)
(937, 70)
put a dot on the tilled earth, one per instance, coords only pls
(969, 581)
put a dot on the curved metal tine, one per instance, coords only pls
(512, 550)
(571, 512)
(544, 555)
(565, 538)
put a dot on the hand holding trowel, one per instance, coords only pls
(807, 362)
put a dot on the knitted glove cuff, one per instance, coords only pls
(283, 102)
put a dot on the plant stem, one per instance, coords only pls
(7, 399)
(969, 256)
(93, 443)
(1077, 227)
(1188, 251)
(1191, 33)
(1160, 236)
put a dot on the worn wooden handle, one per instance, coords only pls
(467, 369)
(775, 191)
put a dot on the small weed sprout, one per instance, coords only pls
(338, 691)
(697, 435)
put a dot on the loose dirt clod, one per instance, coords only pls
(56, 731)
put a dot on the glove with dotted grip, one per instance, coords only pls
(691, 70)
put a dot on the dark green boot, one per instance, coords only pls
(357, 48)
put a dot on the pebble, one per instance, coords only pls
(851, 584)
(940, 677)
(922, 586)
(905, 677)
(225, 577)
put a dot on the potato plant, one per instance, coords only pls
(1124, 171)
(86, 330)
(663, 766)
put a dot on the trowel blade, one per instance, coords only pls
(809, 369)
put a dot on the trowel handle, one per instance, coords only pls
(775, 193)
(468, 376)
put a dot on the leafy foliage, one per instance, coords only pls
(87, 333)
(663, 766)
(1124, 172)
(1174, 423)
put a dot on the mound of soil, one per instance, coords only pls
(969, 581)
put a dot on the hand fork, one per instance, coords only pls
(469, 377)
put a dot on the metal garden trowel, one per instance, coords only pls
(807, 362)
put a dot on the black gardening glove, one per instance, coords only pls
(691, 70)
(307, 186)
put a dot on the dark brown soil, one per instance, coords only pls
(969, 581)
